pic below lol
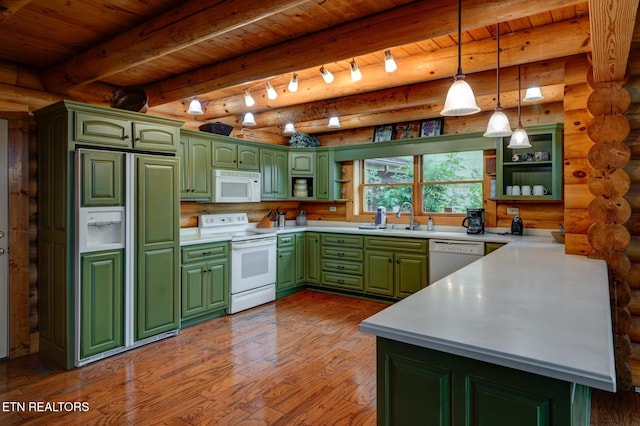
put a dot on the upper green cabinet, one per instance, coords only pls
(302, 163)
(102, 178)
(123, 129)
(273, 167)
(195, 167)
(539, 166)
(231, 155)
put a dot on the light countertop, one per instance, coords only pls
(527, 306)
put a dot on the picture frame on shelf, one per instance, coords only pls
(383, 133)
(431, 127)
(407, 130)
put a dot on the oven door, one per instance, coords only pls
(253, 264)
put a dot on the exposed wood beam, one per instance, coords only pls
(9, 7)
(188, 24)
(612, 27)
(407, 24)
(540, 44)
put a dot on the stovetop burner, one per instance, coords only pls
(236, 225)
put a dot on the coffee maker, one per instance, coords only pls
(474, 222)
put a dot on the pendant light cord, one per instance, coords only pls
(459, 37)
(519, 89)
(498, 68)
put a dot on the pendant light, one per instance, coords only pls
(533, 94)
(334, 122)
(249, 120)
(519, 139)
(460, 98)
(499, 122)
(293, 83)
(390, 64)
(248, 99)
(289, 128)
(195, 107)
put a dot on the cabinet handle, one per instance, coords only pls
(398, 261)
(340, 266)
(340, 254)
(340, 281)
(125, 137)
(390, 261)
(206, 253)
(340, 241)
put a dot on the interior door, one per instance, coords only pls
(4, 242)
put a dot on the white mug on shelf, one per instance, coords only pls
(526, 189)
(515, 190)
(509, 190)
(539, 190)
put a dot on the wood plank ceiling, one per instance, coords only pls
(84, 49)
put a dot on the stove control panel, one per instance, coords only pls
(222, 219)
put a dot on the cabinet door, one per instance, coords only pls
(193, 289)
(225, 155)
(102, 179)
(267, 170)
(157, 245)
(185, 175)
(248, 157)
(155, 137)
(285, 269)
(200, 172)
(280, 179)
(410, 273)
(302, 163)
(217, 279)
(100, 130)
(322, 176)
(312, 255)
(102, 308)
(378, 273)
(300, 259)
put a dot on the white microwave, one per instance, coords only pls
(231, 186)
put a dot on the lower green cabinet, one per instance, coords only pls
(102, 308)
(312, 258)
(420, 386)
(205, 282)
(291, 274)
(395, 267)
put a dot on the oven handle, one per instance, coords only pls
(260, 242)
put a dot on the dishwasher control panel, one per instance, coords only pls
(457, 247)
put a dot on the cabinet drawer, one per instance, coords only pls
(343, 267)
(204, 251)
(286, 240)
(350, 282)
(342, 253)
(341, 240)
(405, 244)
(101, 130)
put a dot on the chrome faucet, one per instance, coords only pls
(412, 224)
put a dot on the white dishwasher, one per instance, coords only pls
(447, 256)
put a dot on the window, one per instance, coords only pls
(445, 183)
(451, 182)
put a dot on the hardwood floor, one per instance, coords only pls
(298, 361)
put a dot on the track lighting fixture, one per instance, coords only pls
(389, 63)
(334, 122)
(293, 83)
(248, 99)
(355, 71)
(249, 120)
(326, 75)
(195, 107)
(289, 128)
(271, 92)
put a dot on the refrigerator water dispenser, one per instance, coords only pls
(101, 229)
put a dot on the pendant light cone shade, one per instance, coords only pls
(293, 83)
(289, 128)
(271, 92)
(390, 64)
(498, 125)
(195, 107)
(334, 122)
(326, 75)
(533, 94)
(249, 120)
(519, 139)
(248, 99)
(356, 74)
(460, 98)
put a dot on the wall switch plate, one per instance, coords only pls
(332, 208)
(512, 210)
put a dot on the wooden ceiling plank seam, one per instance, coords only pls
(418, 20)
(184, 26)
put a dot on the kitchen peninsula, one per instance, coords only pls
(522, 333)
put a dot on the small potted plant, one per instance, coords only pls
(303, 140)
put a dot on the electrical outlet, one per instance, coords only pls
(332, 208)
(512, 210)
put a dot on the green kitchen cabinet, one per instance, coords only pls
(300, 258)
(489, 247)
(302, 163)
(157, 297)
(232, 155)
(102, 309)
(195, 167)
(341, 262)
(312, 257)
(205, 282)
(423, 386)
(123, 129)
(328, 179)
(395, 267)
(290, 263)
(273, 168)
(102, 179)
